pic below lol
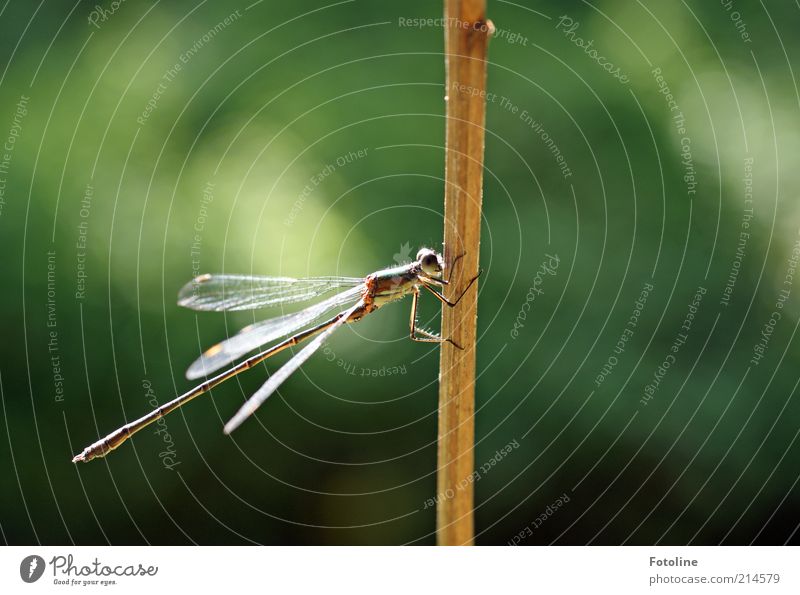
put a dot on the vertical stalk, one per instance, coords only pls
(467, 35)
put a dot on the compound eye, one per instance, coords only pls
(430, 263)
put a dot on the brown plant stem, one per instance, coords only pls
(467, 35)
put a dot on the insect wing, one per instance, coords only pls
(259, 333)
(216, 293)
(271, 385)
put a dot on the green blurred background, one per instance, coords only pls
(247, 160)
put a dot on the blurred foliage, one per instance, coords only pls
(264, 107)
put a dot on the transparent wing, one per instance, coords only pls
(258, 334)
(271, 385)
(247, 292)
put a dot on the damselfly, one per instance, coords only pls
(357, 298)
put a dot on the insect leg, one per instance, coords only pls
(424, 336)
(443, 299)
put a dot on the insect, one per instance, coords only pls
(356, 298)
